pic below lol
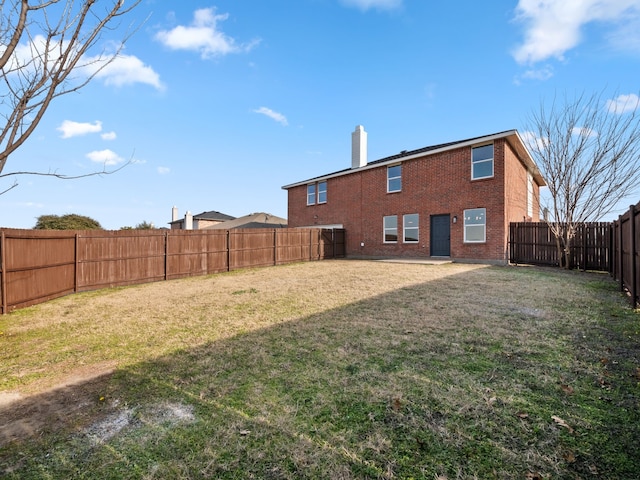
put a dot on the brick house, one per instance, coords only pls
(197, 222)
(451, 200)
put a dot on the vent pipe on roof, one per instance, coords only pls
(358, 147)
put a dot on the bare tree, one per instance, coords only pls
(588, 151)
(44, 53)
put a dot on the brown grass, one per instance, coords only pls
(334, 369)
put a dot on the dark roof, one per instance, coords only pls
(406, 154)
(212, 215)
(253, 220)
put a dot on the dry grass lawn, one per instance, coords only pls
(334, 369)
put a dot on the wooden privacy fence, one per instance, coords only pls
(626, 264)
(534, 243)
(609, 247)
(39, 265)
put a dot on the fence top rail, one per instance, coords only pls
(61, 234)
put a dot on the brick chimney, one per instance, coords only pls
(358, 147)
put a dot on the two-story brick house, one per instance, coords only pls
(451, 200)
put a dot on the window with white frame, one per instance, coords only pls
(311, 194)
(322, 192)
(482, 162)
(394, 178)
(390, 229)
(411, 228)
(475, 225)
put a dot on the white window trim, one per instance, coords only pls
(384, 229)
(484, 236)
(404, 229)
(318, 192)
(315, 191)
(393, 178)
(492, 160)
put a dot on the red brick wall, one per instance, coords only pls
(431, 185)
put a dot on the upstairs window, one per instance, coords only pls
(411, 223)
(475, 225)
(317, 193)
(394, 179)
(390, 229)
(482, 162)
(322, 192)
(311, 194)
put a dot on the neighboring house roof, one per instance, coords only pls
(253, 220)
(512, 136)
(212, 215)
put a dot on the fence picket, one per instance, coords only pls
(598, 246)
(39, 265)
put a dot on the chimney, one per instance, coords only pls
(188, 221)
(174, 214)
(358, 147)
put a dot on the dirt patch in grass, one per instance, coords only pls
(336, 369)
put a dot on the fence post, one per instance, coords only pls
(76, 262)
(166, 254)
(584, 247)
(228, 250)
(611, 228)
(275, 246)
(3, 273)
(633, 248)
(333, 242)
(620, 255)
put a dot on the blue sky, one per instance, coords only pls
(221, 103)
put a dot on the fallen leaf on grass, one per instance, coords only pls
(567, 389)
(562, 423)
(569, 457)
(533, 476)
(245, 432)
(522, 415)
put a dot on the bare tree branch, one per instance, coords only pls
(59, 35)
(589, 153)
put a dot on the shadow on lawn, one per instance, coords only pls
(401, 385)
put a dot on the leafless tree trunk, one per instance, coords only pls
(589, 153)
(44, 53)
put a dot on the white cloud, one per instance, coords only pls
(626, 37)
(163, 170)
(71, 129)
(278, 117)
(533, 142)
(203, 35)
(584, 132)
(122, 70)
(127, 70)
(109, 136)
(544, 73)
(378, 4)
(624, 103)
(106, 157)
(554, 26)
